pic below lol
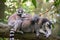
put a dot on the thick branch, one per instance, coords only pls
(4, 27)
(4, 32)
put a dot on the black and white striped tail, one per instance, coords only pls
(12, 34)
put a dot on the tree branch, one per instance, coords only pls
(4, 32)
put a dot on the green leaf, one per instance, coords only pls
(53, 26)
(34, 3)
(47, 0)
(24, 1)
(57, 3)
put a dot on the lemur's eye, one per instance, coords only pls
(20, 11)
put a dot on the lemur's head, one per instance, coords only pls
(20, 12)
(47, 28)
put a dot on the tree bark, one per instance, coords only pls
(2, 9)
(4, 32)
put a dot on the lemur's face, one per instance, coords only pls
(20, 12)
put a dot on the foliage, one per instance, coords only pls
(24, 1)
(28, 6)
(11, 6)
(57, 3)
(33, 1)
(47, 0)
